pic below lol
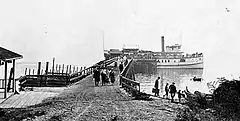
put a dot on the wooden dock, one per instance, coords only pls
(28, 98)
(2, 96)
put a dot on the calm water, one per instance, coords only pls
(181, 77)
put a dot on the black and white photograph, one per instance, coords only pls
(119, 60)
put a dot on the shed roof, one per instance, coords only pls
(6, 54)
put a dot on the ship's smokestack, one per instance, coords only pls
(163, 44)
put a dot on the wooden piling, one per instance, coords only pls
(59, 69)
(81, 70)
(25, 71)
(29, 71)
(67, 69)
(70, 69)
(5, 77)
(46, 70)
(56, 68)
(39, 68)
(62, 69)
(85, 70)
(53, 66)
(33, 72)
(73, 69)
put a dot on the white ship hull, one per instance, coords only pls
(181, 65)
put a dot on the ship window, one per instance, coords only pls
(168, 60)
(174, 60)
(199, 58)
(162, 61)
(165, 61)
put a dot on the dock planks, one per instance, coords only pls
(25, 99)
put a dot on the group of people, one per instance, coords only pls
(103, 74)
(169, 89)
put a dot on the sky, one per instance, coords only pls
(72, 30)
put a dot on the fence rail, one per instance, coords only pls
(58, 79)
(44, 80)
(129, 85)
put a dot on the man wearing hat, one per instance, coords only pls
(172, 91)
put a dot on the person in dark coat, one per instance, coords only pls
(166, 91)
(121, 67)
(115, 64)
(156, 87)
(104, 77)
(172, 91)
(96, 76)
(112, 76)
(126, 62)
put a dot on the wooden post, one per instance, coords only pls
(80, 70)
(9, 80)
(59, 70)
(77, 69)
(41, 71)
(5, 77)
(74, 69)
(53, 66)
(14, 81)
(70, 69)
(33, 71)
(25, 71)
(46, 71)
(56, 68)
(84, 70)
(39, 68)
(29, 72)
(67, 69)
(62, 69)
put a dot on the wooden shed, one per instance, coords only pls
(8, 57)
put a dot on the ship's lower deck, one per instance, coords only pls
(187, 66)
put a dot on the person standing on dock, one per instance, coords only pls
(179, 96)
(104, 77)
(126, 62)
(166, 91)
(173, 90)
(96, 76)
(112, 76)
(156, 87)
(121, 67)
(115, 64)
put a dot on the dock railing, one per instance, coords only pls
(128, 84)
(51, 79)
(2, 85)
(44, 80)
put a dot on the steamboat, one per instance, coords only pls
(169, 57)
